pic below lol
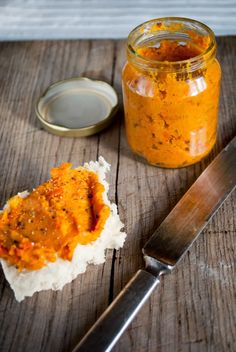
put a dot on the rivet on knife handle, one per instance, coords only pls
(165, 248)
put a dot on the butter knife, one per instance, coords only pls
(165, 248)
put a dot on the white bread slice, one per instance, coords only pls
(55, 275)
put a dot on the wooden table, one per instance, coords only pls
(194, 308)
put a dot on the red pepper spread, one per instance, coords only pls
(65, 211)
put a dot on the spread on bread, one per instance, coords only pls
(50, 222)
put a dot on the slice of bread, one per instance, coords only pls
(56, 274)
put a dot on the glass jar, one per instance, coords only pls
(171, 86)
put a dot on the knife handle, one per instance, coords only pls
(104, 334)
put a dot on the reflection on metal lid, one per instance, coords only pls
(77, 107)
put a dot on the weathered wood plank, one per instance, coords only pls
(28, 152)
(194, 308)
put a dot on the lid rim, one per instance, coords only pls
(83, 131)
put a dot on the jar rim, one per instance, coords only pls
(193, 63)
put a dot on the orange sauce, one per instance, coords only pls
(171, 117)
(63, 212)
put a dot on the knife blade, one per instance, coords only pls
(165, 248)
(192, 213)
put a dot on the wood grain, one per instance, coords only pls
(194, 308)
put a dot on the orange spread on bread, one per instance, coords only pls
(65, 211)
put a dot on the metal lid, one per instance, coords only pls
(77, 107)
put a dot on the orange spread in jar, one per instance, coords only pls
(171, 115)
(65, 211)
(169, 51)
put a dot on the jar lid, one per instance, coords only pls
(77, 107)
